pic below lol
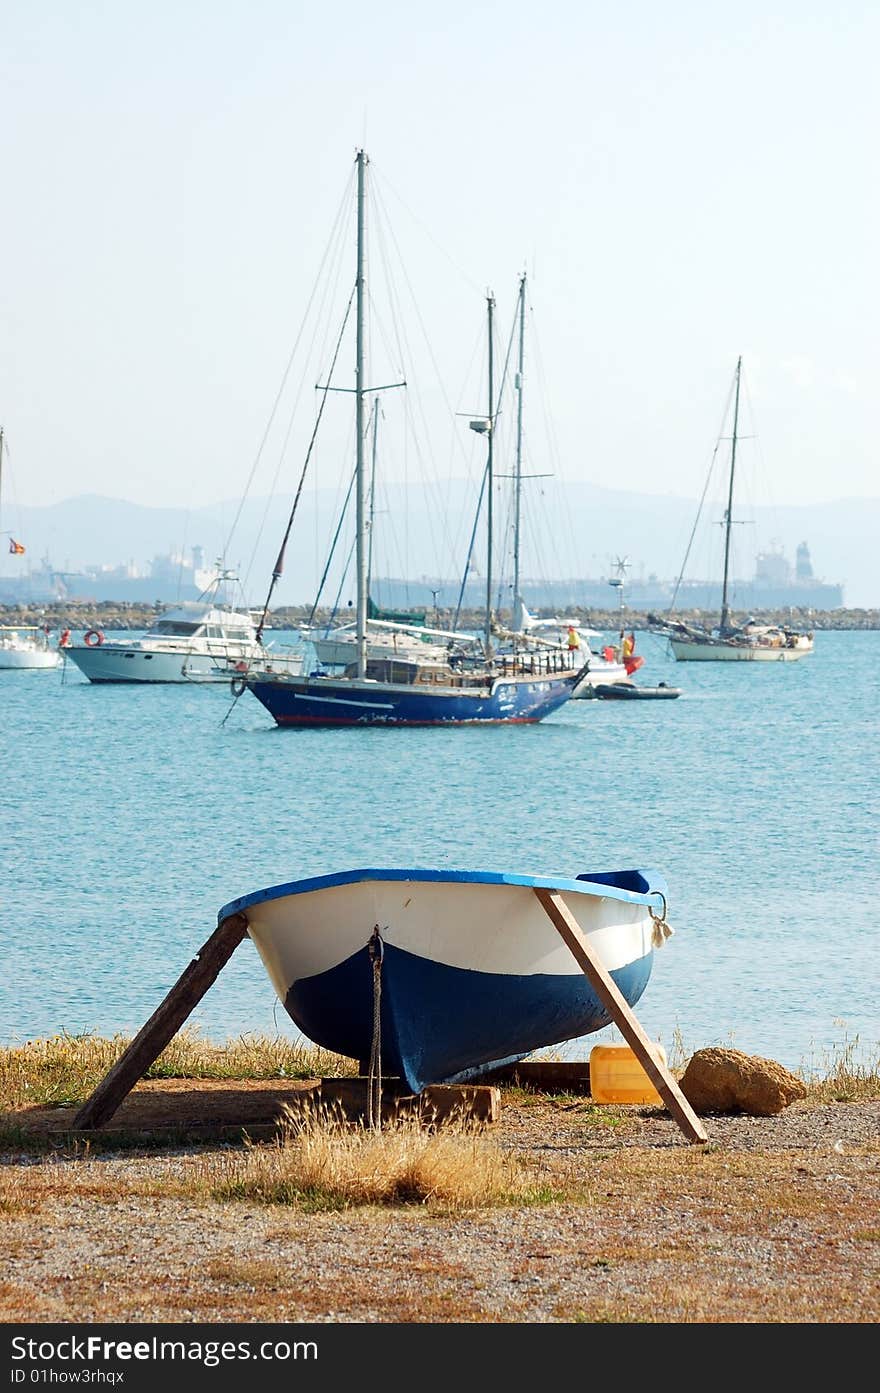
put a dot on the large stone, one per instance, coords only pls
(724, 1080)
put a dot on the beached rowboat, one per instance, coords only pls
(464, 970)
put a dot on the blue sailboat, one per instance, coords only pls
(498, 688)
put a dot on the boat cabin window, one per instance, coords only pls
(387, 670)
(236, 635)
(179, 628)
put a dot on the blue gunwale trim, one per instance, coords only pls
(655, 896)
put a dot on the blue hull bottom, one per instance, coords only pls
(443, 1024)
(344, 702)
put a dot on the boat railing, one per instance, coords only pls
(239, 656)
(536, 663)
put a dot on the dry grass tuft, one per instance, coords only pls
(323, 1162)
(66, 1068)
(188, 1056)
(850, 1075)
(60, 1069)
(16, 1196)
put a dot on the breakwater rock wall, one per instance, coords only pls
(109, 615)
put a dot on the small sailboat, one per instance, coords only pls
(412, 689)
(450, 973)
(750, 642)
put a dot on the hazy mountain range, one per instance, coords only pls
(592, 525)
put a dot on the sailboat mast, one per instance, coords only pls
(361, 550)
(372, 504)
(490, 302)
(517, 495)
(728, 517)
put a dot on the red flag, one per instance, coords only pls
(15, 547)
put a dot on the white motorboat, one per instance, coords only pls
(199, 641)
(24, 646)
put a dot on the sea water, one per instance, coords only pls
(130, 815)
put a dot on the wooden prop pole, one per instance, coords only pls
(164, 1023)
(624, 1018)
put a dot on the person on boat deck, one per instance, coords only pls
(573, 639)
(628, 646)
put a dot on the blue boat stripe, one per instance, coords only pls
(343, 701)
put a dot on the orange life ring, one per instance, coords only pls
(93, 638)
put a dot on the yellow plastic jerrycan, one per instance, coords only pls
(616, 1076)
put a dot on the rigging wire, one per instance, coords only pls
(507, 526)
(386, 238)
(760, 475)
(328, 296)
(329, 561)
(18, 521)
(279, 563)
(464, 275)
(687, 553)
(342, 579)
(535, 524)
(471, 547)
(496, 411)
(558, 470)
(327, 282)
(332, 241)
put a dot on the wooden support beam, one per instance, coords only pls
(164, 1023)
(436, 1103)
(544, 1075)
(622, 1014)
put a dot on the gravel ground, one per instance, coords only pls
(776, 1219)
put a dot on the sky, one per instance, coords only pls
(682, 183)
